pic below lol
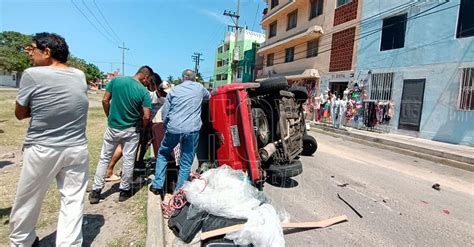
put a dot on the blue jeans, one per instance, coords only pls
(188, 143)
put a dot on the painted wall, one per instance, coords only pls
(246, 42)
(432, 52)
(8, 79)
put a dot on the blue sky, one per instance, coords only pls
(160, 33)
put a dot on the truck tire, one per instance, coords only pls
(271, 85)
(262, 129)
(300, 92)
(294, 168)
(309, 145)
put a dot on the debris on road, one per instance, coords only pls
(343, 185)
(425, 202)
(353, 209)
(316, 224)
(436, 187)
(446, 211)
(222, 201)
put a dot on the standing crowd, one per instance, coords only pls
(54, 97)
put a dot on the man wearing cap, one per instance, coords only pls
(181, 115)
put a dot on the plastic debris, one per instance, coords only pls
(228, 193)
(446, 211)
(436, 187)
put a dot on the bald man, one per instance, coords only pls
(181, 115)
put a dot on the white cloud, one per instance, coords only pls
(217, 16)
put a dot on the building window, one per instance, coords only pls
(316, 8)
(14, 77)
(339, 3)
(289, 54)
(466, 94)
(292, 20)
(270, 58)
(466, 19)
(272, 28)
(274, 3)
(224, 77)
(226, 47)
(381, 86)
(220, 49)
(393, 32)
(312, 48)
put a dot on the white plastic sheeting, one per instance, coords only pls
(228, 193)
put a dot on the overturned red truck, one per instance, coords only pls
(258, 128)
(255, 127)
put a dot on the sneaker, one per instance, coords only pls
(94, 196)
(158, 192)
(124, 195)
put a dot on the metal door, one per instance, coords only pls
(412, 104)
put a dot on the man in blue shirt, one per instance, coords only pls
(181, 114)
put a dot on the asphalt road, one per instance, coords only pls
(392, 192)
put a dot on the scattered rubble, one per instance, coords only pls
(436, 187)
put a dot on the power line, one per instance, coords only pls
(90, 22)
(360, 23)
(197, 59)
(235, 52)
(255, 18)
(369, 33)
(123, 57)
(106, 22)
(97, 20)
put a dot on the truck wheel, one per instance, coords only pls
(271, 85)
(260, 122)
(309, 145)
(300, 92)
(294, 168)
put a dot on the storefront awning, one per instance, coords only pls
(307, 74)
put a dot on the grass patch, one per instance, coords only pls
(13, 136)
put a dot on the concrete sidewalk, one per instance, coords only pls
(459, 156)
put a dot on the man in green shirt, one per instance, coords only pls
(125, 99)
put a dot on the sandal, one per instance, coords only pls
(112, 178)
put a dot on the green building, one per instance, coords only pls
(248, 43)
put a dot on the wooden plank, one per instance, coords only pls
(314, 224)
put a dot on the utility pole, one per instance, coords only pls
(197, 59)
(235, 54)
(123, 57)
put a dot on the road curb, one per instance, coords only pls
(394, 146)
(155, 236)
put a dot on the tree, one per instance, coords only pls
(170, 79)
(12, 55)
(91, 71)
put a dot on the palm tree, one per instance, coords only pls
(170, 79)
